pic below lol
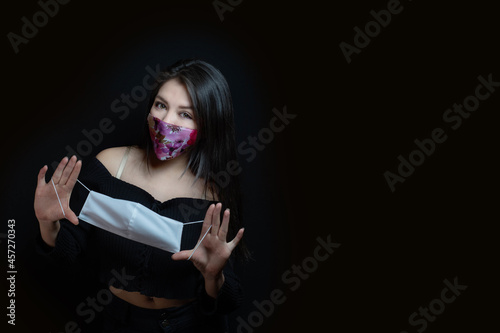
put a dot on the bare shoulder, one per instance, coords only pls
(112, 157)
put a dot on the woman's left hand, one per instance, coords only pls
(212, 254)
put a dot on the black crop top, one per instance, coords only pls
(148, 270)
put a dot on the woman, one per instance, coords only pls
(188, 138)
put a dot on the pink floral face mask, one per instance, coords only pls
(169, 141)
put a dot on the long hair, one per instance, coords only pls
(215, 145)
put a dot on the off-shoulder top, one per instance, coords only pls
(142, 268)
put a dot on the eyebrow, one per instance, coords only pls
(180, 106)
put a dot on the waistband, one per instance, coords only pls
(125, 315)
(120, 314)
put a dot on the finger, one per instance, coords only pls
(74, 174)
(216, 219)
(232, 244)
(207, 222)
(71, 216)
(41, 176)
(224, 226)
(57, 174)
(67, 170)
(182, 255)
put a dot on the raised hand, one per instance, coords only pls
(47, 207)
(213, 252)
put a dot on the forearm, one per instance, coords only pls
(221, 294)
(213, 284)
(49, 231)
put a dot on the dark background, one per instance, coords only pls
(322, 175)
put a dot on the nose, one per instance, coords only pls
(169, 117)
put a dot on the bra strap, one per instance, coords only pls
(122, 163)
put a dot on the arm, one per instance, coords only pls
(229, 294)
(211, 258)
(56, 220)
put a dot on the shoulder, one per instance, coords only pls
(112, 157)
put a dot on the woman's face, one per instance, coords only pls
(173, 105)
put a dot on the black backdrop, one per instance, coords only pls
(321, 176)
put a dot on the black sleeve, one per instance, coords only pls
(228, 298)
(71, 242)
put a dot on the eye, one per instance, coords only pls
(186, 115)
(160, 105)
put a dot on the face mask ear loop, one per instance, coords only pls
(83, 185)
(59, 199)
(60, 204)
(201, 240)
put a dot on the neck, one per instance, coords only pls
(175, 166)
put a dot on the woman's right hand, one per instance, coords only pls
(47, 206)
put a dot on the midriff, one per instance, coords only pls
(143, 301)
